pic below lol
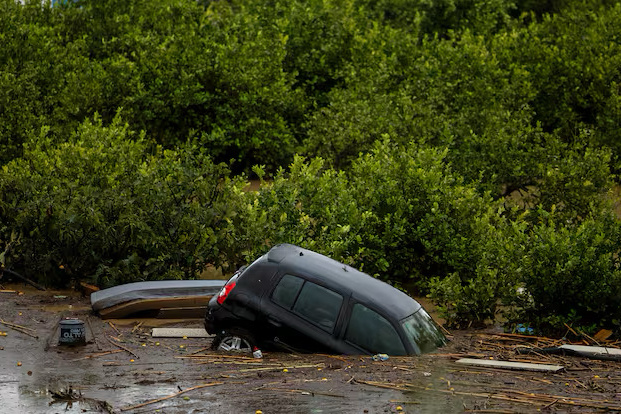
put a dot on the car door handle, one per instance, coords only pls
(274, 322)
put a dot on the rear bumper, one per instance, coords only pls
(218, 318)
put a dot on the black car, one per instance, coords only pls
(298, 300)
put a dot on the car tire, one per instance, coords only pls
(234, 340)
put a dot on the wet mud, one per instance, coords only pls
(122, 369)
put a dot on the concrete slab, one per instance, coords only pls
(179, 333)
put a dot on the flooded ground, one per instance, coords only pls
(122, 369)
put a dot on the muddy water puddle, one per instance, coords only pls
(122, 369)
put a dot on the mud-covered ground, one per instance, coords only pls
(122, 369)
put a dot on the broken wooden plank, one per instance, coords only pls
(591, 350)
(179, 333)
(586, 351)
(162, 289)
(158, 307)
(522, 366)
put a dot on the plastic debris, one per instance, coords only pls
(256, 352)
(523, 329)
(380, 357)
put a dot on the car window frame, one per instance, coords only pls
(336, 331)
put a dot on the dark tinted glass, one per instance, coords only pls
(371, 331)
(319, 305)
(287, 290)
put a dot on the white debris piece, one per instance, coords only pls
(179, 333)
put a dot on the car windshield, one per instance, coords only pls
(422, 332)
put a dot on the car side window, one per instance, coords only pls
(372, 332)
(319, 305)
(287, 290)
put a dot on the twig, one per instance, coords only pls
(98, 355)
(446, 332)
(216, 356)
(25, 279)
(570, 329)
(88, 321)
(114, 327)
(137, 327)
(13, 325)
(133, 407)
(303, 392)
(588, 337)
(19, 328)
(122, 347)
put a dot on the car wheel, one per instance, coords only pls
(235, 340)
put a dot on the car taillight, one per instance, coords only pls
(224, 293)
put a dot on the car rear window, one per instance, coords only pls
(287, 290)
(319, 305)
(315, 303)
(371, 331)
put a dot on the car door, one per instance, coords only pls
(370, 332)
(302, 314)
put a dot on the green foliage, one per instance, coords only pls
(442, 17)
(309, 205)
(571, 274)
(102, 207)
(573, 57)
(461, 146)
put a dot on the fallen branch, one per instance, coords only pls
(303, 392)
(135, 328)
(19, 328)
(114, 327)
(90, 326)
(98, 354)
(122, 347)
(25, 279)
(518, 396)
(133, 407)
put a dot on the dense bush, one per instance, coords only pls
(462, 147)
(112, 209)
(571, 275)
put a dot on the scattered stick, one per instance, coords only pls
(21, 329)
(98, 355)
(135, 328)
(446, 332)
(133, 407)
(25, 279)
(192, 355)
(570, 329)
(88, 321)
(114, 327)
(122, 347)
(304, 392)
(201, 350)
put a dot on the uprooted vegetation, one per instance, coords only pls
(416, 122)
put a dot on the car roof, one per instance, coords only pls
(363, 287)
